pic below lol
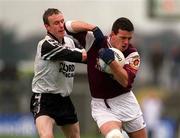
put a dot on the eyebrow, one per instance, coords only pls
(125, 37)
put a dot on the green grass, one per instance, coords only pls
(57, 136)
(2, 136)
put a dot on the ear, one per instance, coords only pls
(112, 34)
(46, 26)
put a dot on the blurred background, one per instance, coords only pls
(157, 37)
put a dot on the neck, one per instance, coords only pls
(109, 42)
(60, 40)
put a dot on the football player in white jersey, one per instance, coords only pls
(52, 84)
(114, 105)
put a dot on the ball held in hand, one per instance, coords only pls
(106, 57)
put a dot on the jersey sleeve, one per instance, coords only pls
(53, 51)
(132, 63)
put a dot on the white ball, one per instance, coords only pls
(118, 57)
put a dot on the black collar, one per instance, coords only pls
(52, 36)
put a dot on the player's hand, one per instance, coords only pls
(107, 55)
(84, 55)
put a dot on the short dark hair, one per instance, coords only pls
(49, 12)
(123, 24)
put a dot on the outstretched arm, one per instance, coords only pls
(86, 34)
(79, 26)
(51, 51)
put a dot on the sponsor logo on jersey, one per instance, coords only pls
(67, 69)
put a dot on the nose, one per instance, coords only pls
(61, 24)
(126, 41)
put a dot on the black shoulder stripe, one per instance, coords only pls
(68, 55)
(47, 47)
(52, 53)
(48, 50)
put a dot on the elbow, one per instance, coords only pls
(125, 83)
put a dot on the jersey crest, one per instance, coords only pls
(135, 62)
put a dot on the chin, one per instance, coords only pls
(61, 35)
(123, 48)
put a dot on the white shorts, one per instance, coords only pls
(123, 108)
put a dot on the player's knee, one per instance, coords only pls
(115, 133)
(46, 135)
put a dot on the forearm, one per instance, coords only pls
(72, 55)
(119, 73)
(79, 26)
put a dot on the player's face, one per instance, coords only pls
(56, 25)
(121, 40)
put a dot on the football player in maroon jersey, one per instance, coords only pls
(114, 106)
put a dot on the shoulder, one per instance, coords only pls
(42, 41)
(131, 49)
(48, 39)
(69, 41)
(132, 58)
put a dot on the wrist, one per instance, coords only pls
(84, 55)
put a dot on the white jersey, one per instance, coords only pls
(54, 65)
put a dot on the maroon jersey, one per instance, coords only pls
(103, 85)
